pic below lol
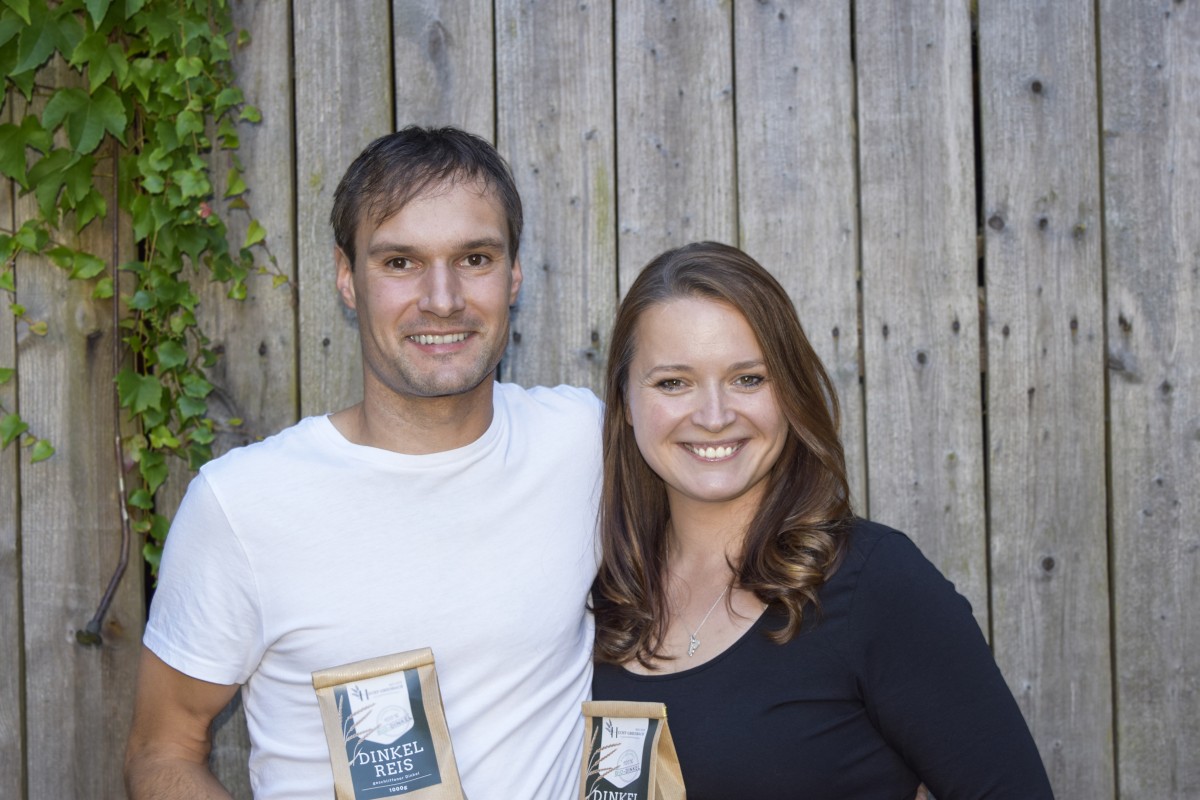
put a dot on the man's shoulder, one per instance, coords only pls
(305, 436)
(574, 401)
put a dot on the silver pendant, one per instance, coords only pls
(693, 644)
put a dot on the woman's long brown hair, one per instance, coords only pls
(797, 537)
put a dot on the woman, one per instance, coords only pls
(800, 651)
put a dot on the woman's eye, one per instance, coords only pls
(670, 385)
(750, 381)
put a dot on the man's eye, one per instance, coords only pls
(476, 260)
(398, 263)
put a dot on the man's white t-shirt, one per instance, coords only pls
(304, 551)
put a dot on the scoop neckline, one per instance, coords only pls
(718, 658)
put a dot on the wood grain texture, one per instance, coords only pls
(256, 378)
(12, 749)
(343, 101)
(919, 283)
(1045, 381)
(1151, 146)
(797, 206)
(676, 180)
(443, 63)
(78, 698)
(556, 129)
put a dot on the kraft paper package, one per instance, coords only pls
(628, 753)
(386, 729)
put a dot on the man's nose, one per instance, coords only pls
(441, 291)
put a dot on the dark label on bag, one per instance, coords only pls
(388, 744)
(619, 758)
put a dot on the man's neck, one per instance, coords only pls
(417, 425)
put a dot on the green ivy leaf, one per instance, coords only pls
(137, 392)
(142, 499)
(11, 426)
(188, 122)
(152, 553)
(10, 26)
(250, 114)
(97, 9)
(42, 450)
(153, 469)
(161, 437)
(104, 288)
(6, 374)
(227, 98)
(39, 328)
(236, 184)
(37, 42)
(12, 154)
(61, 256)
(91, 207)
(190, 407)
(192, 183)
(189, 66)
(21, 7)
(87, 266)
(195, 386)
(87, 116)
(171, 354)
(255, 233)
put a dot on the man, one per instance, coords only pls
(444, 511)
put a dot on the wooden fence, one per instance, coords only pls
(988, 215)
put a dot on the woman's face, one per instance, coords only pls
(701, 403)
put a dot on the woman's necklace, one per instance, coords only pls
(693, 639)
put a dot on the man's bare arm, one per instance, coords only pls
(167, 755)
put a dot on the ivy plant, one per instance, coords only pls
(154, 86)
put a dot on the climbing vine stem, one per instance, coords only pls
(153, 79)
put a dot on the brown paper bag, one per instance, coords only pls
(386, 729)
(628, 753)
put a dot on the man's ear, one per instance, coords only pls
(516, 282)
(345, 278)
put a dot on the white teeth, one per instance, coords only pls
(712, 452)
(423, 338)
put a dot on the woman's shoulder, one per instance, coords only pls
(874, 546)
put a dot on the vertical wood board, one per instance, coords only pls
(919, 284)
(1045, 381)
(443, 63)
(343, 101)
(676, 180)
(78, 698)
(556, 130)
(797, 207)
(12, 749)
(1151, 143)
(256, 378)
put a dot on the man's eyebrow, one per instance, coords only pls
(484, 243)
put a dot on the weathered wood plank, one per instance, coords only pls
(343, 101)
(1151, 123)
(556, 129)
(1045, 381)
(256, 377)
(12, 749)
(919, 277)
(78, 698)
(796, 182)
(443, 63)
(676, 179)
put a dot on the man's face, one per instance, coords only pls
(432, 289)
